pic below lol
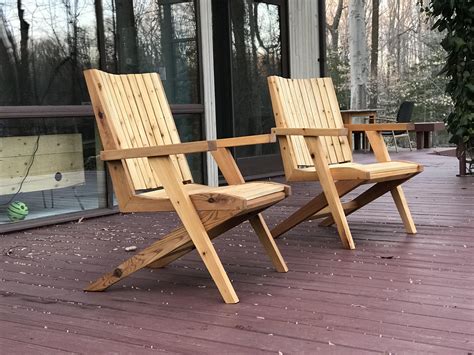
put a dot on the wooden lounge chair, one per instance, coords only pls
(150, 174)
(314, 146)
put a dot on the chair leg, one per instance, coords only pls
(312, 207)
(301, 215)
(260, 227)
(214, 227)
(402, 206)
(395, 141)
(409, 141)
(338, 214)
(366, 197)
(164, 246)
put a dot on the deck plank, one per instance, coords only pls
(394, 293)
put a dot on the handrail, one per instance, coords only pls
(65, 111)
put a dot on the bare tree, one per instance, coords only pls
(24, 71)
(358, 54)
(333, 28)
(374, 53)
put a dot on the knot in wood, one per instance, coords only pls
(101, 114)
(118, 272)
(312, 155)
(211, 200)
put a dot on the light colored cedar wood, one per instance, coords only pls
(241, 141)
(150, 174)
(314, 147)
(381, 153)
(287, 149)
(157, 151)
(234, 178)
(329, 187)
(381, 127)
(309, 132)
(193, 224)
(312, 207)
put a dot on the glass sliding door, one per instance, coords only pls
(48, 143)
(256, 48)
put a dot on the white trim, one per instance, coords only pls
(207, 63)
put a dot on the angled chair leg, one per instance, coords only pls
(313, 206)
(260, 227)
(164, 246)
(402, 206)
(191, 221)
(330, 191)
(366, 197)
(214, 227)
(302, 214)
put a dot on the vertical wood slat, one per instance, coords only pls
(298, 141)
(138, 130)
(287, 116)
(140, 117)
(344, 141)
(299, 119)
(159, 92)
(314, 114)
(310, 103)
(157, 134)
(131, 130)
(328, 118)
(118, 123)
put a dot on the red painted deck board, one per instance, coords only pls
(394, 293)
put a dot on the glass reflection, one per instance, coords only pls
(45, 46)
(50, 165)
(256, 54)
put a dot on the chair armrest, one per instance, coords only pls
(381, 127)
(158, 151)
(310, 132)
(245, 140)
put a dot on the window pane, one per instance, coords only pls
(256, 54)
(155, 36)
(43, 51)
(190, 129)
(50, 165)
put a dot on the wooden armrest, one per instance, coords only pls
(381, 127)
(310, 132)
(158, 151)
(245, 140)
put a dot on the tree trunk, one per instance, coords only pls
(374, 54)
(358, 54)
(126, 36)
(334, 27)
(24, 71)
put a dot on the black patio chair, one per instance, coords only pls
(403, 116)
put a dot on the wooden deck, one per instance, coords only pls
(395, 293)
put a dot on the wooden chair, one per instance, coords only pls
(314, 146)
(150, 174)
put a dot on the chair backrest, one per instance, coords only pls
(405, 111)
(308, 103)
(132, 112)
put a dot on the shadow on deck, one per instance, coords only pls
(394, 293)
